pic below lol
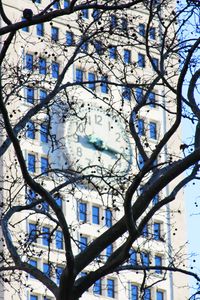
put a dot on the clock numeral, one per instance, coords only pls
(79, 151)
(98, 120)
(89, 120)
(109, 126)
(117, 137)
(80, 127)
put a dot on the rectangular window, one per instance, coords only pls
(69, 38)
(33, 297)
(141, 60)
(56, 5)
(159, 295)
(97, 288)
(32, 229)
(141, 29)
(42, 66)
(109, 250)
(44, 165)
(31, 163)
(152, 33)
(124, 24)
(113, 52)
(139, 94)
(147, 294)
(108, 217)
(85, 13)
(33, 263)
(29, 94)
(83, 243)
(84, 47)
(25, 29)
(98, 47)
(45, 206)
(110, 288)
(66, 3)
(43, 95)
(40, 29)
(30, 196)
(91, 79)
(158, 263)
(153, 130)
(155, 199)
(113, 21)
(79, 75)
(134, 292)
(82, 211)
(96, 14)
(140, 161)
(58, 201)
(55, 69)
(127, 56)
(46, 270)
(140, 127)
(156, 231)
(29, 62)
(145, 231)
(126, 94)
(133, 257)
(155, 63)
(59, 271)
(44, 133)
(59, 239)
(104, 85)
(152, 99)
(95, 214)
(145, 259)
(45, 236)
(30, 130)
(54, 34)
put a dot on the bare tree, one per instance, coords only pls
(117, 68)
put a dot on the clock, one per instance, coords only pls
(97, 143)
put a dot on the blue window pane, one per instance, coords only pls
(142, 29)
(152, 99)
(124, 23)
(133, 257)
(152, 33)
(31, 196)
(83, 243)
(29, 62)
(79, 75)
(31, 162)
(134, 292)
(33, 297)
(83, 274)
(82, 212)
(155, 63)
(84, 47)
(85, 13)
(59, 271)
(40, 29)
(54, 34)
(58, 201)
(104, 85)
(97, 288)
(126, 94)
(45, 206)
(156, 231)
(43, 95)
(46, 269)
(98, 47)
(30, 130)
(44, 133)
(45, 236)
(140, 127)
(159, 295)
(69, 38)
(42, 66)
(56, 5)
(44, 165)
(55, 69)
(153, 130)
(25, 29)
(147, 294)
(110, 288)
(95, 215)
(59, 239)
(96, 14)
(113, 52)
(66, 3)
(127, 56)
(155, 199)
(109, 250)
(108, 217)
(91, 79)
(158, 262)
(32, 229)
(145, 259)
(140, 161)
(141, 60)
(33, 263)
(145, 231)
(113, 21)
(29, 94)
(139, 94)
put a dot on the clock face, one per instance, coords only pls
(97, 143)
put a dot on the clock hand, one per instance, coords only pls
(99, 144)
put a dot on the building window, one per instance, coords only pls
(134, 292)
(33, 263)
(56, 5)
(140, 161)
(98, 47)
(97, 288)
(29, 62)
(59, 239)
(79, 75)
(59, 271)
(84, 47)
(158, 263)
(42, 66)
(145, 259)
(54, 34)
(155, 63)
(31, 196)
(29, 94)
(31, 163)
(127, 56)
(46, 269)
(44, 165)
(126, 94)
(30, 130)
(66, 3)
(155, 199)
(104, 85)
(26, 28)
(45, 236)
(43, 95)
(109, 250)
(140, 127)
(110, 288)
(152, 33)
(55, 69)
(133, 257)
(44, 133)
(45, 206)
(145, 231)
(33, 297)
(91, 79)
(124, 24)
(58, 200)
(113, 52)
(85, 13)
(152, 99)
(32, 229)
(156, 231)
(40, 29)
(82, 212)
(141, 29)
(153, 130)
(69, 38)
(141, 60)
(108, 217)
(83, 243)
(95, 214)
(113, 21)
(96, 14)
(147, 294)
(139, 94)
(159, 295)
